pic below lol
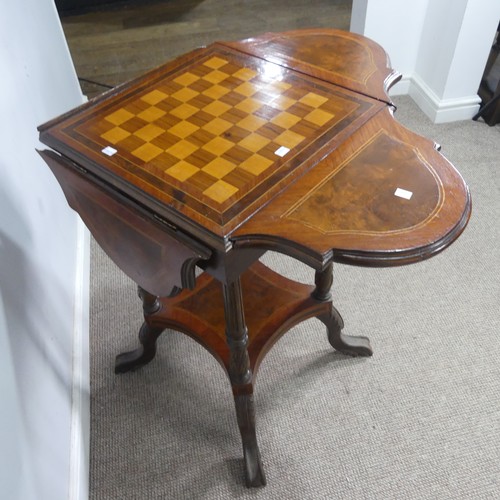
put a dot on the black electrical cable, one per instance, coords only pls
(86, 80)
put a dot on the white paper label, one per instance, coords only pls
(282, 151)
(108, 150)
(403, 193)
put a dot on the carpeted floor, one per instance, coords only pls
(418, 420)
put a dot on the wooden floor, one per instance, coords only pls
(115, 44)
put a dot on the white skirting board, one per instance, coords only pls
(438, 110)
(80, 404)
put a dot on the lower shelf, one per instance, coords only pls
(272, 303)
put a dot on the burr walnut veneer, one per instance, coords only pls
(283, 142)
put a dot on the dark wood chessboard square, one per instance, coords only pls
(201, 136)
(233, 115)
(241, 179)
(130, 143)
(200, 100)
(236, 133)
(162, 163)
(201, 118)
(201, 181)
(267, 113)
(271, 130)
(166, 140)
(237, 154)
(201, 157)
(168, 105)
(201, 85)
(232, 98)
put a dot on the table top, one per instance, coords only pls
(285, 141)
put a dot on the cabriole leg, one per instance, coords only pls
(346, 344)
(148, 335)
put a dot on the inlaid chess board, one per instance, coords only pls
(212, 136)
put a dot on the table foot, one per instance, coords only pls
(346, 344)
(245, 411)
(133, 360)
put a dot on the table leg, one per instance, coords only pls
(241, 379)
(346, 344)
(148, 335)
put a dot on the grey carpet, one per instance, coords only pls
(418, 420)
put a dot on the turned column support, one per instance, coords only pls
(150, 302)
(323, 281)
(236, 334)
(240, 375)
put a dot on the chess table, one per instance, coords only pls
(285, 142)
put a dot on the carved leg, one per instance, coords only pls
(240, 376)
(245, 412)
(347, 344)
(148, 334)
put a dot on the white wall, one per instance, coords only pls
(440, 47)
(397, 29)
(42, 250)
